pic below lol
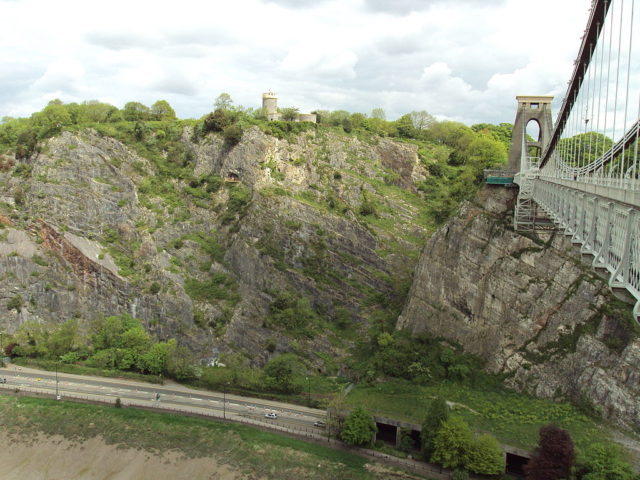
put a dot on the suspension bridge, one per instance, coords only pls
(581, 174)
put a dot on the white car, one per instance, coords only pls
(271, 415)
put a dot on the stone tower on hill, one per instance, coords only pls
(270, 106)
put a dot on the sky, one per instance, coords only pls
(463, 60)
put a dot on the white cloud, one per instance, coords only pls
(465, 60)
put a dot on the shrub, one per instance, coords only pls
(604, 462)
(15, 303)
(232, 135)
(280, 372)
(217, 121)
(451, 444)
(358, 428)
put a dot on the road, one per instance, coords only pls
(171, 395)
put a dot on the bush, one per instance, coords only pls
(358, 428)
(217, 121)
(15, 303)
(280, 372)
(451, 444)
(604, 462)
(154, 288)
(232, 135)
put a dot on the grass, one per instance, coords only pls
(254, 452)
(50, 366)
(513, 418)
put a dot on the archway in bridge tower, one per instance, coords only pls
(534, 135)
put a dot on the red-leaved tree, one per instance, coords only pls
(554, 456)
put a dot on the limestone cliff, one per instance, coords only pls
(529, 306)
(92, 227)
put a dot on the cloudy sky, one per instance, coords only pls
(459, 59)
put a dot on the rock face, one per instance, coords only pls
(529, 306)
(90, 228)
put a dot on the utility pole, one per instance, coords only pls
(57, 396)
(308, 392)
(224, 401)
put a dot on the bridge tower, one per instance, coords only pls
(524, 158)
(530, 108)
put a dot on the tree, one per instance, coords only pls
(52, 118)
(232, 135)
(223, 102)
(217, 121)
(161, 110)
(378, 113)
(437, 415)
(358, 428)
(280, 372)
(289, 114)
(485, 456)
(451, 443)
(64, 339)
(136, 111)
(405, 126)
(604, 462)
(554, 456)
(421, 120)
(156, 359)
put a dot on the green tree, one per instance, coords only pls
(135, 112)
(604, 462)
(155, 361)
(232, 135)
(217, 120)
(378, 113)
(451, 444)
(280, 372)
(405, 126)
(422, 119)
(437, 414)
(358, 428)
(289, 114)
(136, 338)
(92, 111)
(64, 339)
(161, 110)
(485, 456)
(52, 118)
(223, 102)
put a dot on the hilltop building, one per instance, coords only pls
(270, 105)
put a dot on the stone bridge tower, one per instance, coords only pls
(530, 109)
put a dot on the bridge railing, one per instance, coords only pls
(607, 230)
